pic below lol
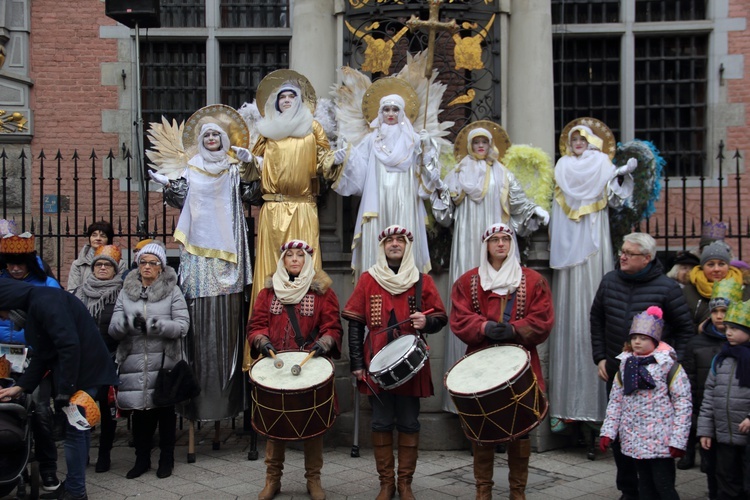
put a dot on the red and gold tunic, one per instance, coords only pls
(531, 316)
(372, 305)
(319, 308)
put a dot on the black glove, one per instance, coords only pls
(499, 332)
(318, 350)
(139, 323)
(62, 400)
(266, 349)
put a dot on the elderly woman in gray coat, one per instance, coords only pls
(149, 319)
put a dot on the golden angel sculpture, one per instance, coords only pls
(392, 167)
(202, 178)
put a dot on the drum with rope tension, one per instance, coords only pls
(496, 394)
(289, 407)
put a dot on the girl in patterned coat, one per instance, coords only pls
(649, 407)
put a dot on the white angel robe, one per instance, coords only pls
(580, 254)
(389, 196)
(497, 197)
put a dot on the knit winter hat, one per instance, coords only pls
(687, 258)
(738, 313)
(156, 250)
(716, 250)
(649, 323)
(142, 244)
(724, 293)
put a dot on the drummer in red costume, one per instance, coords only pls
(502, 302)
(393, 290)
(295, 288)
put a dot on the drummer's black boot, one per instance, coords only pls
(382, 444)
(275, 451)
(518, 467)
(408, 449)
(313, 464)
(484, 466)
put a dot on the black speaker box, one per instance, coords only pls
(144, 13)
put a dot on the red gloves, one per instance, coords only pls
(604, 443)
(676, 452)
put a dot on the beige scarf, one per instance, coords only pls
(288, 291)
(395, 283)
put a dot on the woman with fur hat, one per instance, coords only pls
(149, 319)
(99, 293)
(714, 267)
(98, 234)
(295, 288)
(649, 407)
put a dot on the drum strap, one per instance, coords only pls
(298, 338)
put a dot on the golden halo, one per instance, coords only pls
(226, 117)
(598, 127)
(276, 79)
(500, 139)
(387, 86)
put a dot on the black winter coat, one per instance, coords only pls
(64, 337)
(699, 354)
(621, 296)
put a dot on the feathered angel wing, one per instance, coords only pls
(347, 96)
(167, 154)
(646, 177)
(325, 114)
(532, 168)
(251, 115)
(430, 94)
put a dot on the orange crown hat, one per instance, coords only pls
(143, 243)
(108, 252)
(17, 244)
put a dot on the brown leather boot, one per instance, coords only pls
(518, 468)
(408, 449)
(313, 464)
(484, 466)
(382, 444)
(275, 451)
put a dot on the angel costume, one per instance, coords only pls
(580, 254)
(295, 151)
(215, 268)
(384, 169)
(482, 196)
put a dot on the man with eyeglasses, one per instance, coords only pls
(638, 281)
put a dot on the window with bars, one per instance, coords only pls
(670, 98)
(668, 72)
(587, 80)
(254, 14)
(174, 79)
(243, 66)
(585, 11)
(183, 13)
(648, 11)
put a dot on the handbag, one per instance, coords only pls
(175, 385)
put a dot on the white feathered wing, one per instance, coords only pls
(347, 96)
(167, 154)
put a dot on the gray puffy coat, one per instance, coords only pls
(139, 354)
(725, 405)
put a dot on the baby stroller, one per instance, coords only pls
(15, 441)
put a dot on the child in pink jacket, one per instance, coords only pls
(649, 407)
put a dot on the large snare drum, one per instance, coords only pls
(289, 407)
(496, 394)
(399, 361)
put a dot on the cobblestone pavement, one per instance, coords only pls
(228, 474)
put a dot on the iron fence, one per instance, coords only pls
(57, 208)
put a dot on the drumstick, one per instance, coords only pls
(428, 311)
(278, 363)
(297, 369)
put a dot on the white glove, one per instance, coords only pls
(424, 135)
(338, 156)
(243, 154)
(628, 168)
(542, 214)
(158, 178)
